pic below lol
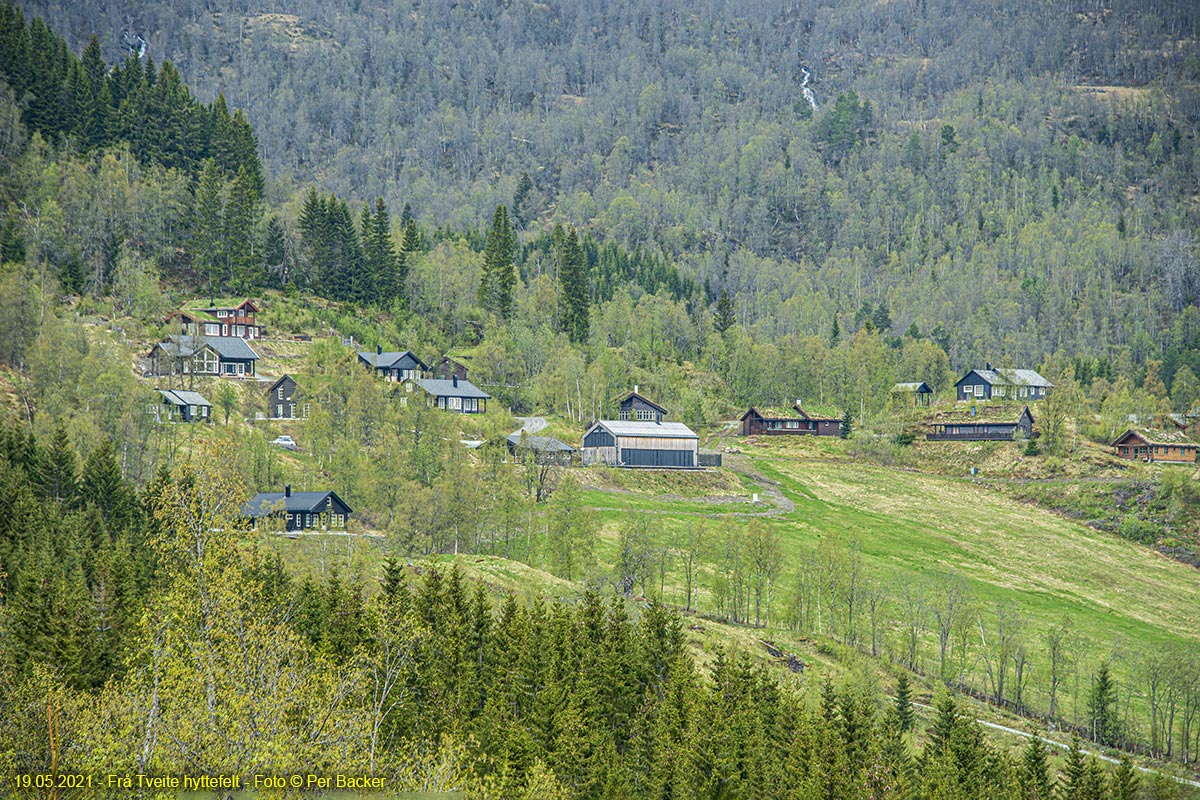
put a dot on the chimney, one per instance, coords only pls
(454, 378)
(287, 490)
(635, 389)
(379, 350)
(989, 366)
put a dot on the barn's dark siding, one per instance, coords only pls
(599, 438)
(656, 458)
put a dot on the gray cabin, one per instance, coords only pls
(543, 449)
(622, 443)
(283, 399)
(184, 406)
(203, 355)
(460, 396)
(298, 511)
(635, 408)
(1000, 383)
(394, 365)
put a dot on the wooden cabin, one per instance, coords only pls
(220, 317)
(283, 400)
(635, 408)
(450, 367)
(298, 511)
(1002, 384)
(399, 365)
(1155, 445)
(183, 406)
(203, 355)
(624, 443)
(460, 396)
(791, 420)
(981, 423)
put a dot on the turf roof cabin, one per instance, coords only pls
(1008, 384)
(297, 511)
(394, 365)
(1155, 445)
(982, 423)
(220, 317)
(791, 420)
(451, 367)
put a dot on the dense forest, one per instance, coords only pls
(579, 198)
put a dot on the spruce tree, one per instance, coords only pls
(59, 470)
(1071, 781)
(835, 333)
(1123, 781)
(725, 315)
(1033, 777)
(208, 226)
(847, 426)
(242, 214)
(1102, 702)
(573, 288)
(904, 708)
(498, 279)
(274, 250)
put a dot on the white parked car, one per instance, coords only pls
(285, 441)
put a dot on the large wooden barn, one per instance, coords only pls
(624, 443)
(1155, 445)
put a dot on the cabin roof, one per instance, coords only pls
(541, 444)
(445, 387)
(1003, 376)
(819, 412)
(919, 387)
(647, 429)
(388, 358)
(275, 385)
(630, 395)
(985, 413)
(231, 347)
(182, 397)
(265, 503)
(1155, 436)
(774, 412)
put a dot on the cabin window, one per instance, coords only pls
(212, 329)
(470, 405)
(1024, 392)
(624, 414)
(280, 392)
(222, 313)
(792, 423)
(279, 409)
(456, 404)
(979, 390)
(645, 414)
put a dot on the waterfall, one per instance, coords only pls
(808, 93)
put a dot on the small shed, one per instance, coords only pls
(544, 449)
(186, 406)
(981, 423)
(298, 510)
(917, 394)
(451, 367)
(622, 443)
(1155, 445)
